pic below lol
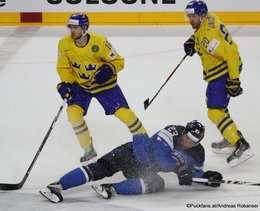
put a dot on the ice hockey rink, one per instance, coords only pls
(29, 103)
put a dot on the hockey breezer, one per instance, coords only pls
(7, 186)
(147, 102)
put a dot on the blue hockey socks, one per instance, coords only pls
(74, 178)
(130, 187)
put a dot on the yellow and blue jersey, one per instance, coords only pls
(76, 64)
(218, 51)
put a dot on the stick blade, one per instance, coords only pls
(4, 186)
(146, 103)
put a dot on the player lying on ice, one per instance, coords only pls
(173, 149)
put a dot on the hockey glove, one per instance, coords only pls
(234, 87)
(189, 46)
(67, 91)
(103, 74)
(184, 175)
(212, 176)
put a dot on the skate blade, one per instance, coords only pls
(100, 192)
(226, 150)
(87, 162)
(50, 196)
(245, 156)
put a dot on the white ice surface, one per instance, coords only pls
(29, 102)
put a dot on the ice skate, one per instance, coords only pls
(52, 192)
(222, 147)
(241, 153)
(90, 155)
(105, 190)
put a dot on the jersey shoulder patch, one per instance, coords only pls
(211, 21)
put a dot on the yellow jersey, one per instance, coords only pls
(218, 51)
(76, 64)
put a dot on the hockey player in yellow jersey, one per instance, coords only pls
(221, 69)
(88, 66)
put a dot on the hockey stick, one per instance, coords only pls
(233, 182)
(7, 186)
(147, 102)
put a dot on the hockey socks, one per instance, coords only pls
(75, 117)
(74, 178)
(130, 187)
(127, 116)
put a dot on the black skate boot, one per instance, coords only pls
(241, 153)
(53, 192)
(90, 155)
(222, 147)
(105, 190)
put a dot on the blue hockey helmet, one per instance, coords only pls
(78, 19)
(195, 131)
(196, 7)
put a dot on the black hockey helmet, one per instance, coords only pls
(195, 131)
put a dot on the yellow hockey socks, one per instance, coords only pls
(75, 117)
(127, 116)
(224, 123)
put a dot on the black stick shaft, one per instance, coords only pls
(6, 186)
(147, 102)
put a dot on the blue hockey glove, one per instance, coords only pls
(67, 91)
(103, 74)
(212, 175)
(234, 87)
(189, 46)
